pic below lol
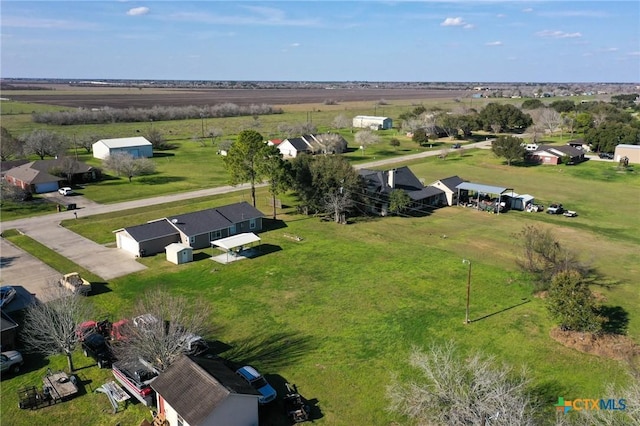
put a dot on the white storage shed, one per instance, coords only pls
(179, 253)
(137, 146)
(372, 122)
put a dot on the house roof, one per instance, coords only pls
(59, 163)
(275, 141)
(451, 182)
(298, 143)
(369, 117)
(176, 248)
(6, 322)
(627, 146)
(151, 230)
(199, 222)
(29, 175)
(378, 181)
(194, 387)
(125, 142)
(239, 212)
(561, 150)
(426, 192)
(478, 187)
(8, 165)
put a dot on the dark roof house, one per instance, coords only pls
(201, 392)
(195, 229)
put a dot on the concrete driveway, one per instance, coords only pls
(29, 276)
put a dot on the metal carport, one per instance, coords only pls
(482, 189)
(240, 240)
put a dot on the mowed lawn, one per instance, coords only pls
(338, 312)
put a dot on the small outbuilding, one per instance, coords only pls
(137, 146)
(179, 253)
(632, 152)
(372, 122)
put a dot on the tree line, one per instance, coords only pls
(107, 115)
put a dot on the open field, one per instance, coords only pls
(338, 312)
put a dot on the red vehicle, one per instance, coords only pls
(136, 378)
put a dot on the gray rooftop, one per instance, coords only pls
(478, 187)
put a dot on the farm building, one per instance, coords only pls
(372, 122)
(137, 146)
(632, 152)
(196, 229)
(179, 253)
(483, 197)
(200, 391)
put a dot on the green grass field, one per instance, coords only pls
(338, 312)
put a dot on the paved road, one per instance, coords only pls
(110, 263)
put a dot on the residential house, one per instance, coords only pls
(292, 147)
(547, 154)
(8, 332)
(195, 230)
(137, 146)
(204, 392)
(448, 187)
(325, 143)
(380, 184)
(579, 144)
(32, 180)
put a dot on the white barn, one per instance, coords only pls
(137, 146)
(372, 122)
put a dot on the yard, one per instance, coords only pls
(338, 312)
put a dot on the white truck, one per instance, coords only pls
(75, 283)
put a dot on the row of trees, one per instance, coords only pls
(157, 113)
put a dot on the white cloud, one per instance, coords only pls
(634, 53)
(453, 22)
(138, 11)
(528, 10)
(557, 34)
(611, 49)
(295, 44)
(468, 26)
(494, 43)
(501, 15)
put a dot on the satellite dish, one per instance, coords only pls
(174, 220)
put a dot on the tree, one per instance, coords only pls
(214, 133)
(544, 257)
(156, 138)
(10, 147)
(550, 119)
(276, 171)
(331, 143)
(51, 328)
(69, 167)
(86, 142)
(507, 116)
(509, 148)
(341, 122)
(572, 304)
(420, 136)
(243, 158)
(174, 320)
(399, 200)
(535, 131)
(532, 104)
(44, 143)
(563, 105)
(454, 390)
(395, 143)
(125, 164)
(365, 138)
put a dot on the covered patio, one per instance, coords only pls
(236, 247)
(482, 197)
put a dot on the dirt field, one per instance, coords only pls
(75, 97)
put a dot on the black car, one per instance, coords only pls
(95, 345)
(606, 155)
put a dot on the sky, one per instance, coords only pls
(429, 41)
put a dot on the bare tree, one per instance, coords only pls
(331, 143)
(463, 391)
(69, 168)
(444, 152)
(341, 122)
(44, 143)
(535, 131)
(214, 133)
(124, 164)
(550, 119)
(166, 324)
(10, 147)
(496, 128)
(365, 138)
(50, 328)
(86, 142)
(156, 138)
(338, 203)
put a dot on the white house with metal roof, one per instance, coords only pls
(137, 146)
(372, 122)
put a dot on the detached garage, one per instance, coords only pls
(136, 146)
(179, 253)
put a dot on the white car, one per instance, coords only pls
(65, 190)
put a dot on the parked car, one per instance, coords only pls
(95, 345)
(570, 213)
(259, 383)
(606, 156)
(555, 209)
(7, 294)
(11, 361)
(456, 146)
(65, 190)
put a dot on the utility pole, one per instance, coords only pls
(466, 319)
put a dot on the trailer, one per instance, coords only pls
(57, 387)
(136, 378)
